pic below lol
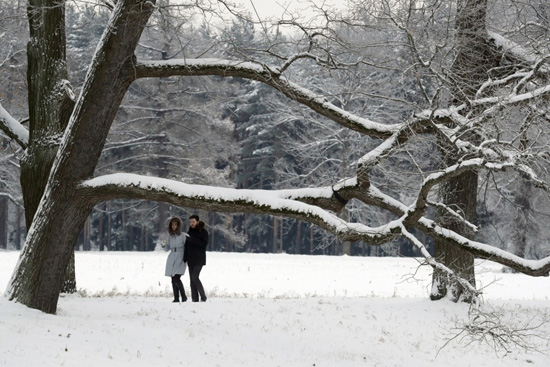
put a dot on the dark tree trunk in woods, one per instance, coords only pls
(522, 227)
(100, 230)
(461, 195)
(275, 247)
(3, 222)
(109, 227)
(298, 237)
(18, 235)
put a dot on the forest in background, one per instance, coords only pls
(240, 133)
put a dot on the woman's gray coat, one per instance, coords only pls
(174, 263)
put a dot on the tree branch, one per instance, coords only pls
(288, 203)
(13, 129)
(266, 75)
(11, 198)
(293, 204)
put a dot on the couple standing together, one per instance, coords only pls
(187, 248)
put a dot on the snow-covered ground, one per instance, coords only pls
(265, 310)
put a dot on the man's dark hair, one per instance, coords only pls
(195, 217)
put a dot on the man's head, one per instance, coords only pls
(193, 220)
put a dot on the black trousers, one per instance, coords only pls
(196, 285)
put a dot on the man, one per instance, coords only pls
(195, 255)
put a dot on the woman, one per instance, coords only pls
(175, 266)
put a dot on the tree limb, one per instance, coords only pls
(292, 203)
(266, 75)
(288, 203)
(13, 129)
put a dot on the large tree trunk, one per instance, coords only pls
(50, 102)
(469, 70)
(39, 274)
(461, 195)
(48, 117)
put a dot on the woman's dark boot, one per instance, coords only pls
(181, 290)
(176, 294)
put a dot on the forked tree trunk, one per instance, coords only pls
(38, 276)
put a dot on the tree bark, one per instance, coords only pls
(38, 277)
(50, 102)
(50, 106)
(461, 195)
(469, 70)
(68, 284)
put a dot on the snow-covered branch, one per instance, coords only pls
(437, 265)
(286, 203)
(481, 250)
(513, 49)
(453, 213)
(13, 129)
(293, 204)
(418, 209)
(269, 76)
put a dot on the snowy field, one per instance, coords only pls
(266, 310)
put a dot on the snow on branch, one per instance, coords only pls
(293, 204)
(13, 129)
(512, 98)
(512, 48)
(485, 251)
(418, 209)
(266, 75)
(455, 214)
(282, 202)
(437, 265)
(11, 198)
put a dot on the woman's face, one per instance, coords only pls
(174, 225)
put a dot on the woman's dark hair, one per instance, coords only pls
(178, 229)
(194, 216)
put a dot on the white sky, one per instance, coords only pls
(278, 8)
